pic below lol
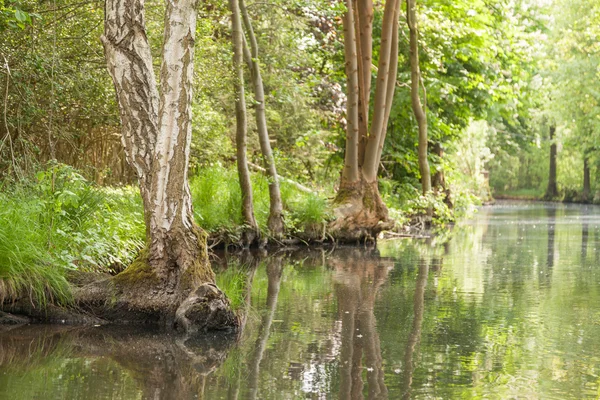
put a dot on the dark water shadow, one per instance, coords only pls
(164, 366)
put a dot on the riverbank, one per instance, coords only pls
(58, 227)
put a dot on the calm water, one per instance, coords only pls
(508, 307)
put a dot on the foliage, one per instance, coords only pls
(217, 202)
(59, 222)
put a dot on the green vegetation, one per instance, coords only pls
(497, 77)
(217, 202)
(60, 222)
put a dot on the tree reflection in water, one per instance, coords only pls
(358, 277)
(415, 333)
(163, 366)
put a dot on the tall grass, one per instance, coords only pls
(27, 268)
(218, 200)
(59, 222)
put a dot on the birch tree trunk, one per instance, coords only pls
(361, 213)
(251, 231)
(417, 106)
(172, 275)
(275, 221)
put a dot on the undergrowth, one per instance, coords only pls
(58, 222)
(218, 200)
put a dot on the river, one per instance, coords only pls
(507, 307)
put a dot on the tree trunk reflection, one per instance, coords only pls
(358, 277)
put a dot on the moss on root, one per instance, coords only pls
(139, 272)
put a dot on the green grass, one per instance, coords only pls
(532, 193)
(58, 222)
(218, 200)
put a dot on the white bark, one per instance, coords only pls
(130, 64)
(157, 130)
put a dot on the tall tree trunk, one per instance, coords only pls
(361, 213)
(363, 21)
(350, 172)
(417, 106)
(587, 186)
(552, 190)
(275, 221)
(172, 274)
(384, 89)
(251, 230)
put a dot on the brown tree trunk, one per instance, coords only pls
(251, 231)
(438, 179)
(275, 221)
(361, 213)
(363, 21)
(417, 106)
(171, 281)
(587, 186)
(552, 190)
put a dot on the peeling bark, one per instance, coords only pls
(173, 270)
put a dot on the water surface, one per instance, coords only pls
(508, 307)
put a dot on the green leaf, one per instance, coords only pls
(20, 15)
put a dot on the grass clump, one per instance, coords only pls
(58, 222)
(218, 200)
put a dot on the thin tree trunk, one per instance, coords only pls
(351, 170)
(552, 190)
(417, 106)
(251, 231)
(385, 67)
(438, 180)
(275, 221)
(172, 274)
(363, 22)
(587, 186)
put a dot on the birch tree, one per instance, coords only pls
(172, 277)
(360, 212)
